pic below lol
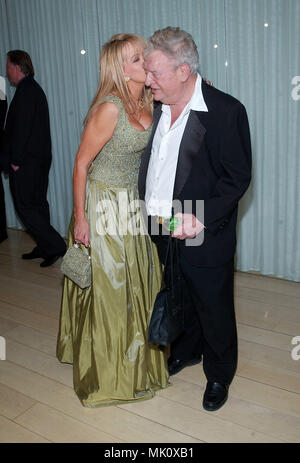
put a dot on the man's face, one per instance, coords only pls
(12, 72)
(163, 77)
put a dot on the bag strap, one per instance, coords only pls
(169, 253)
(177, 257)
(172, 253)
(172, 263)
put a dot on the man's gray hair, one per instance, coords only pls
(177, 44)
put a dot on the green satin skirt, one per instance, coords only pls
(103, 329)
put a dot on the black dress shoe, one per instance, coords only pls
(3, 237)
(215, 396)
(52, 259)
(34, 254)
(176, 365)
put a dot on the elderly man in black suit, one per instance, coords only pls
(28, 152)
(199, 154)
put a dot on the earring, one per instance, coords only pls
(127, 79)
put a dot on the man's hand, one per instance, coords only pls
(15, 168)
(189, 227)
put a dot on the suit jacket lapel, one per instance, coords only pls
(147, 153)
(192, 138)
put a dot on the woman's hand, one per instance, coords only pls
(82, 232)
(208, 81)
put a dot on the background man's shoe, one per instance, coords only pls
(176, 365)
(34, 254)
(3, 237)
(215, 396)
(52, 259)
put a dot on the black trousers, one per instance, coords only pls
(29, 185)
(209, 317)
(3, 232)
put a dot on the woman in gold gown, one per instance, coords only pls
(103, 329)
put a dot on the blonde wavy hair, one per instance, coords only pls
(112, 77)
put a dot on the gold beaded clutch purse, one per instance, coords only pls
(76, 265)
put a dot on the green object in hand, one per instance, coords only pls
(174, 222)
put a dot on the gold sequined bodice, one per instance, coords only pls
(118, 163)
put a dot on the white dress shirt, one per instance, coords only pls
(164, 155)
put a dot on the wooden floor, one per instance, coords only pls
(38, 404)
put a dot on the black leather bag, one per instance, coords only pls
(167, 320)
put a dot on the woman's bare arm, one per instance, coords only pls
(97, 133)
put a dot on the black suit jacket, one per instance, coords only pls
(27, 130)
(3, 109)
(214, 165)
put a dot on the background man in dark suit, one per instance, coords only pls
(28, 153)
(199, 151)
(3, 109)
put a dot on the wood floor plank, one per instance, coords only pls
(280, 400)
(37, 387)
(268, 297)
(264, 337)
(27, 273)
(43, 301)
(274, 285)
(267, 421)
(48, 366)
(35, 339)
(6, 325)
(288, 326)
(4, 259)
(268, 355)
(273, 376)
(29, 318)
(122, 424)
(259, 315)
(58, 427)
(271, 397)
(266, 316)
(38, 362)
(14, 433)
(264, 373)
(198, 424)
(13, 403)
(17, 243)
(17, 264)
